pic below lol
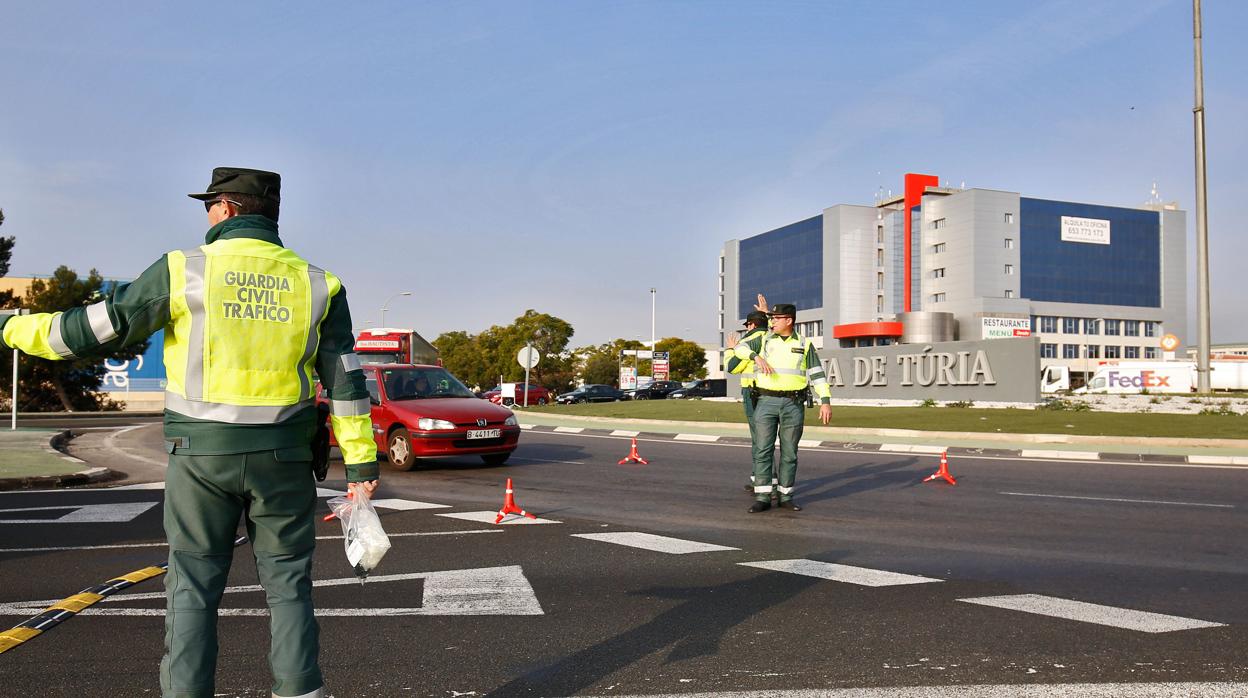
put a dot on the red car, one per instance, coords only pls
(537, 395)
(425, 412)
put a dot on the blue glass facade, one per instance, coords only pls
(1125, 272)
(785, 265)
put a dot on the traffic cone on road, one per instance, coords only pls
(943, 472)
(509, 505)
(632, 456)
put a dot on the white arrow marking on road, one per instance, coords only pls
(85, 513)
(487, 591)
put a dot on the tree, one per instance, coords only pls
(686, 360)
(64, 385)
(482, 359)
(6, 253)
(601, 363)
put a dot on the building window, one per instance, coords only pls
(1152, 329)
(938, 223)
(721, 339)
(721, 303)
(1113, 327)
(1048, 324)
(1152, 353)
(1112, 352)
(1131, 328)
(1091, 326)
(879, 258)
(721, 321)
(1009, 243)
(1009, 293)
(938, 248)
(879, 234)
(879, 281)
(1094, 351)
(938, 273)
(1048, 351)
(1070, 325)
(721, 265)
(938, 297)
(879, 304)
(1131, 352)
(1009, 270)
(1070, 351)
(1009, 217)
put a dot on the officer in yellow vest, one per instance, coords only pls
(755, 325)
(786, 363)
(246, 324)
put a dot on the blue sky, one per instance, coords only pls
(569, 156)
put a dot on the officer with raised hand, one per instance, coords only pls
(246, 323)
(786, 363)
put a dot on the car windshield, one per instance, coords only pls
(422, 382)
(689, 384)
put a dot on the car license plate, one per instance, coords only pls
(484, 433)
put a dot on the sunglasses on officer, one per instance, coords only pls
(213, 202)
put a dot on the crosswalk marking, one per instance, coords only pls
(707, 438)
(407, 504)
(569, 430)
(649, 541)
(1126, 618)
(489, 516)
(861, 576)
(624, 432)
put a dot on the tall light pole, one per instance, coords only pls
(652, 322)
(386, 305)
(1202, 230)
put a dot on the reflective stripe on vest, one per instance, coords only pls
(56, 340)
(245, 328)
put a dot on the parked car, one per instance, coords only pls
(706, 387)
(656, 390)
(537, 395)
(424, 412)
(590, 393)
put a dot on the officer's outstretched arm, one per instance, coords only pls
(339, 369)
(128, 315)
(816, 377)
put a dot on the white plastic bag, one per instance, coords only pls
(365, 540)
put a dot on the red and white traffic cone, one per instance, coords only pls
(509, 505)
(632, 456)
(943, 472)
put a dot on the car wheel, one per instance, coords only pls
(641, 396)
(399, 450)
(580, 401)
(496, 458)
(541, 401)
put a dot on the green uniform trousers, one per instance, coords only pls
(771, 415)
(204, 498)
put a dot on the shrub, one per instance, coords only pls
(929, 402)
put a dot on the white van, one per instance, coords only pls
(1138, 376)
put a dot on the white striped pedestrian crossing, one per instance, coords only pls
(649, 541)
(407, 504)
(849, 574)
(1125, 618)
(489, 516)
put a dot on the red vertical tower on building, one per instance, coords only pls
(915, 185)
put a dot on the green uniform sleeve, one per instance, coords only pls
(815, 374)
(128, 315)
(748, 347)
(734, 363)
(350, 409)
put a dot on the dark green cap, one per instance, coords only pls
(784, 309)
(240, 180)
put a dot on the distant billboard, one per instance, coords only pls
(1005, 327)
(1087, 230)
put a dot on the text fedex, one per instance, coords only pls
(1142, 379)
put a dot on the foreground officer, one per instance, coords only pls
(755, 326)
(786, 364)
(246, 322)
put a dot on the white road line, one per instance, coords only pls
(624, 432)
(705, 438)
(649, 541)
(1125, 618)
(913, 448)
(569, 430)
(1067, 690)
(407, 504)
(164, 545)
(140, 486)
(549, 460)
(1115, 499)
(1219, 460)
(527, 426)
(424, 533)
(808, 443)
(861, 576)
(489, 516)
(325, 492)
(1060, 455)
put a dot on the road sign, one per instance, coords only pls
(528, 357)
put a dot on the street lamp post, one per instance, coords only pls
(386, 305)
(1202, 226)
(652, 326)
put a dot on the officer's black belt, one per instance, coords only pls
(794, 394)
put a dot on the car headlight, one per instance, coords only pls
(428, 424)
(511, 421)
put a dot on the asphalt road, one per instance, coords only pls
(908, 584)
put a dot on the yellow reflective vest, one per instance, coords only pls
(794, 362)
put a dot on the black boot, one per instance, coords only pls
(790, 505)
(759, 506)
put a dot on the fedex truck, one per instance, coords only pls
(1138, 376)
(390, 345)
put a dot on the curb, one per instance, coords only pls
(914, 449)
(56, 446)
